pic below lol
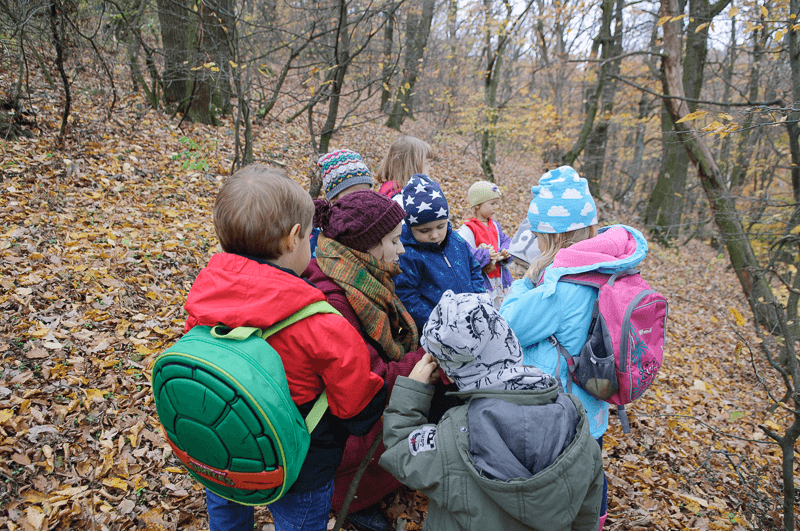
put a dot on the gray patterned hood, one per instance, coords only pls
(475, 346)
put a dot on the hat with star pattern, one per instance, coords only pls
(424, 201)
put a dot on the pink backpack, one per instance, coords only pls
(624, 348)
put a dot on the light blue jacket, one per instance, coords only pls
(563, 309)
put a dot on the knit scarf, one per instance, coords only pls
(488, 235)
(367, 283)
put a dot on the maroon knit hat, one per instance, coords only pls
(358, 220)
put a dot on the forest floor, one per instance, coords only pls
(100, 242)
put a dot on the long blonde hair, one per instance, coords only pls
(552, 243)
(406, 156)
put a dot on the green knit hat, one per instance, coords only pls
(482, 191)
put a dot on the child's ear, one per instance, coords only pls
(294, 236)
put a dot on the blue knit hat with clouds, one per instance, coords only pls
(561, 202)
(423, 201)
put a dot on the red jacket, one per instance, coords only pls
(321, 351)
(376, 482)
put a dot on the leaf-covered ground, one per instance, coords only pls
(100, 242)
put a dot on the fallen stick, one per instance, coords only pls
(351, 492)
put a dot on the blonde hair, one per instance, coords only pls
(554, 243)
(256, 209)
(406, 156)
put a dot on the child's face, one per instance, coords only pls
(390, 248)
(430, 232)
(488, 209)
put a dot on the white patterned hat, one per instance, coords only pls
(561, 202)
(475, 346)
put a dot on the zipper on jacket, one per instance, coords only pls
(458, 280)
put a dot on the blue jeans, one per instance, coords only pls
(306, 511)
(604, 505)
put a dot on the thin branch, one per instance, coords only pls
(708, 102)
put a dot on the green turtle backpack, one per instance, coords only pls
(223, 400)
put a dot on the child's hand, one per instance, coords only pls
(504, 254)
(424, 370)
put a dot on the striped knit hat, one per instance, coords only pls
(342, 169)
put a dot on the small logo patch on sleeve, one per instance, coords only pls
(422, 440)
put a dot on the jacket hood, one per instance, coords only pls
(238, 291)
(408, 240)
(615, 248)
(521, 446)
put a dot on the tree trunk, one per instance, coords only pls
(341, 61)
(665, 208)
(418, 28)
(219, 45)
(747, 140)
(496, 35)
(57, 29)
(603, 42)
(187, 82)
(743, 259)
(174, 18)
(792, 129)
(645, 108)
(727, 80)
(388, 68)
(594, 158)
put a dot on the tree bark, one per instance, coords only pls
(495, 55)
(418, 28)
(756, 289)
(174, 18)
(665, 207)
(747, 139)
(792, 129)
(595, 153)
(388, 68)
(57, 29)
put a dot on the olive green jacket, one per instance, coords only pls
(439, 461)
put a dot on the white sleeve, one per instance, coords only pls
(466, 233)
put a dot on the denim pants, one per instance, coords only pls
(604, 505)
(305, 511)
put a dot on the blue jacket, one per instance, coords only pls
(429, 269)
(563, 309)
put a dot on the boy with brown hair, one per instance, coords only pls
(263, 220)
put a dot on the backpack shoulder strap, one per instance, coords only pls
(308, 311)
(243, 332)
